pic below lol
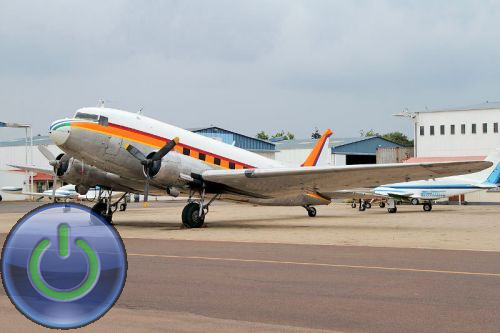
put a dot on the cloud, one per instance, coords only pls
(248, 65)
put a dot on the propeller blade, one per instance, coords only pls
(135, 152)
(47, 153)
(165, 149)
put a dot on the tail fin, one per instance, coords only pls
(315, 153)
(490, 176)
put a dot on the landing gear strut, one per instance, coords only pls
(105, 208)
(193, 214)
(311, 211)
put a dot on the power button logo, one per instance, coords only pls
(63, 266)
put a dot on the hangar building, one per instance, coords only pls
(343, 151)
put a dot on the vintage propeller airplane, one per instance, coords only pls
(130, 152)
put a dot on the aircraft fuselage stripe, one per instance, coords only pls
(157, 142)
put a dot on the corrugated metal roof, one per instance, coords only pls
(198, 129)
(481, 106)
(309, 143)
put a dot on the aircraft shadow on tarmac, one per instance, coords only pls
(269, 223)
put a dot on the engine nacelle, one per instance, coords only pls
(168, 173)
(74, 171)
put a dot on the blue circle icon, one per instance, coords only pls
(63, 266)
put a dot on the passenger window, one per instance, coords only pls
(217, 161)
(185, 151)
(202, 156)
(232, 165)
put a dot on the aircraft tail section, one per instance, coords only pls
(319, 148)
(490, 176)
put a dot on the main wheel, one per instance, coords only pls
(368, 205)
(101, 209)
(353, 205)
(311, 211)
(392, 210)
(427, 207)
(362, 208)
(414, 201)
(381, 204)
(191, 216)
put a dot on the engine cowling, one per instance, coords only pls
(167, 172)
(77, 172)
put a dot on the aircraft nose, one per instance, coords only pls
(59, 131)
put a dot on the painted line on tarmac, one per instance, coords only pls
(298, 263)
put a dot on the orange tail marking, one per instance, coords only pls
(312, 159)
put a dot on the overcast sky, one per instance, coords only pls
(248, 65)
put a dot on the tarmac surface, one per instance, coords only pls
(249, 271)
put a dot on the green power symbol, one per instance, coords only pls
(63, 251)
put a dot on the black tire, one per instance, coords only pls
(362, 208)
(427, 207)
(414, 201)
(101, 209)
(311, 211)
(381, 204)
(392, 210)
(190, 216)
(1, 198)
(353, 205)
(368, 205)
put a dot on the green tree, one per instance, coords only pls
(396, 137)
(262, 135)
(316, 134)
(370, 132)
(399, 138)
(283, 135)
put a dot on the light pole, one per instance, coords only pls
(413, 117)
(28, 134)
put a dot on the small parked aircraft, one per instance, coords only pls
(65, 192)
(130, 152)
(426, 191)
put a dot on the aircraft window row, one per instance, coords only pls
(473, 129)
(202, 156)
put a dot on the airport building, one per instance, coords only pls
(462, 131)
(458, 133)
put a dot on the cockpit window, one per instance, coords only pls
(103, 121)
(83, 115)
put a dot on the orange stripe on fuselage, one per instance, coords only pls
(312, 159)
(156, 142)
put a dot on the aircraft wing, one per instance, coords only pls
(48, 171)
(275, 182)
